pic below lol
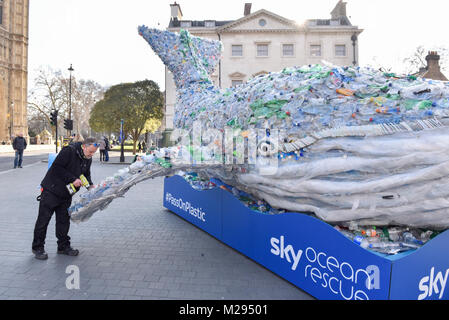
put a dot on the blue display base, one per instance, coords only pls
(310, 253)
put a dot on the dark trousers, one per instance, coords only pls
(18, 158)
(50, 203)
(102, 155)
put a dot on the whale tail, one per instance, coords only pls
(189, 58)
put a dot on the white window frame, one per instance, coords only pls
(340, 45)
(315, 45)
(293, 50)
(262, 44)
(209, 23)
(232, 50)
(185, 24)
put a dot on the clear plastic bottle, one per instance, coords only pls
(395, 234)
(409, 238)
(387, 247)
(426, 235)
(361, 241)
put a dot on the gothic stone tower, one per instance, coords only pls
(13, 68)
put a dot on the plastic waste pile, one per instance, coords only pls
(387, 240)
(196, 181)
(202, 183)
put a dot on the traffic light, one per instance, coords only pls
(54, 118)
(68, 124)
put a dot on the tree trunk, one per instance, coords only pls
(134, 146)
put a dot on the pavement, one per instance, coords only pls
(134, 249)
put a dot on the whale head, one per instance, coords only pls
(190, 59)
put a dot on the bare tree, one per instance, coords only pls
(52, 92)
(47, 94)
(87, 93)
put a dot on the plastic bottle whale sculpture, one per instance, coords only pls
(352, 144)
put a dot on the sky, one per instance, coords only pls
(100, 39)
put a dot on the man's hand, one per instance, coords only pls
(77, 183)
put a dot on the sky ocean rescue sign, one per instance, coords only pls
(327, 271)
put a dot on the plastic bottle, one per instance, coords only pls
(353, 226)
(371, 232)
(361, 241)
(395, 234)
(426, 235)
(410, 239)
(387, 247)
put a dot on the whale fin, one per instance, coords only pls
(189, 58)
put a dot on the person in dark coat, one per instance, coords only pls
(19, 144)
(72, 161)
(106, 150)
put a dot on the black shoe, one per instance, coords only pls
(69, 251)
(40, 254)
(20, 166)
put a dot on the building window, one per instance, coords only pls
(315, 50)
(236, 83)
(321, 22)
(209, 24)
(340, 50)
(237, 50)
(1, 12)
(262, 22)
(262, 50)
(288, 50)
(186, 24)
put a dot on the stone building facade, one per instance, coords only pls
(262, 42)
(13, 68)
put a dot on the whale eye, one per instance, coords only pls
(266, 147)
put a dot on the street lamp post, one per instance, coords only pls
(70, 96)
(354, 40)
(122, 140)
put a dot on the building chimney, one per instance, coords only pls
(433, 67)
(433, 60)
(176, 13)
(247, 10)
(339, 10)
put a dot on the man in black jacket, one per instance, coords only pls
(73, 161)
(19, 144)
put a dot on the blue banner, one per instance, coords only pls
(310, 253)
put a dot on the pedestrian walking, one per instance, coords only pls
(106, 149)
(139, 147)
(72, 161)
(102, 144)
(144, 146)
(19, 144)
